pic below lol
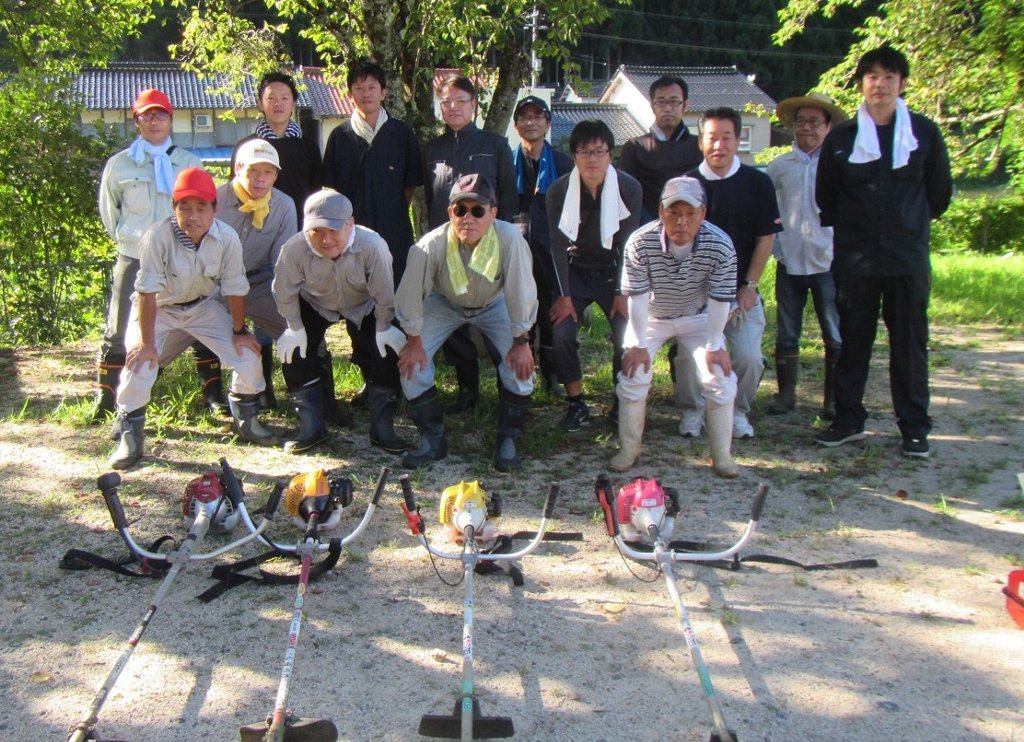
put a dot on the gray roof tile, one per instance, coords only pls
(564, 116)
(710, 87)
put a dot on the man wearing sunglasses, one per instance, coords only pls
(135, 193)
(475, 270)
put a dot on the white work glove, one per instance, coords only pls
(290, 340)
(391, 336)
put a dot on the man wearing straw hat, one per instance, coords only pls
(803, 250)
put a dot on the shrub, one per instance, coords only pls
(987, 224)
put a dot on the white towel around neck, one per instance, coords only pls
(613, 210)
(363, 129)
(866, 147)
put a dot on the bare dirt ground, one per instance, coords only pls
(919, 648)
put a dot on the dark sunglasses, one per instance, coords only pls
(478, 211)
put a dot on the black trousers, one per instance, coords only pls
(377, 371)
(903, 301)
(587, 286)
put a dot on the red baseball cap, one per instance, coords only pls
(151, 98)
(194, 182)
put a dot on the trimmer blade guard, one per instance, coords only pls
(295, 730)
(450, 727)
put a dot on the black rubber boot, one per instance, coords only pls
(468, 374)
(333, 413)
(359, 398)
(828, 405)
(243, 412)
(308, 403)
(512, 412)
(267, 399)
(383, 403)
(129, 449)
(787, 368)
(107, 378)
(428, 415)
(208, 368)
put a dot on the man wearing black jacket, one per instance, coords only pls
(883, 177)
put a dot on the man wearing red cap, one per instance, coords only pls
(185, 262)
(135, 192)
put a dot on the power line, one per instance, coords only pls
(721, 21)
(698, 47)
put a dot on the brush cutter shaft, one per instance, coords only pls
(199, 528)
(468, 566)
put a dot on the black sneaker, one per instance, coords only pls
(837, 436)
(916, 447)
(576, 416)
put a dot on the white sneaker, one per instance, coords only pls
(690, 424)
(741, 427)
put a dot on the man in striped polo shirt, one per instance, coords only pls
(679, 275)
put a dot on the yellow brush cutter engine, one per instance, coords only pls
(465, 504)
(315, 491)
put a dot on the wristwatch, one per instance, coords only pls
(521, 340)
(243, 331)
(751, 285)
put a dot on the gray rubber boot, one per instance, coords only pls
(719, 421)
(787, 368)
(632, 415)
(512, 411)
(427, 413)
(129, 449)
(383, 403)
(308, 403)
(243, 412)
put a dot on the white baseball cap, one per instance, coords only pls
(257, 150)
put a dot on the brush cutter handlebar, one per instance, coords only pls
(108, 484)
(412, 515)
(755, 510)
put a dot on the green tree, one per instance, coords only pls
(51, 241)
(966, 65)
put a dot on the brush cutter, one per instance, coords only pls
(465, 512)
(205, 504)
(316, 501)
(644, 512)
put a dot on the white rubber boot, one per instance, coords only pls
(719, 421)
(631, 433)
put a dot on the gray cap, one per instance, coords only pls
(474, 186)
(326, 208)
(685, 189)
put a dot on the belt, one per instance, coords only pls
(187, 304)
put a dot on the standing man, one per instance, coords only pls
(741, 202)
(186, 261)
(592, 211)
(882, 178)
(463, 149)
(135, 193)
(331, 270)
(668, 151)
(474, 270)
(375, 161)
(803, 251)
(680, 277)
(537, 166)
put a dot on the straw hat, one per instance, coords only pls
(786, 110)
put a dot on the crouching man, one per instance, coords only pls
(331, 270)
(473, 270)
(184, 262)
(679, 275)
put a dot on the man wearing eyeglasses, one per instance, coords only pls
(475, 270)
(538, 165)
(803, 250)
(135, 193)
(334, 270)
(461, 149)
(668, 151)
(591, 213)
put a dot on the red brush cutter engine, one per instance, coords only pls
(207, 493)
(641, 504)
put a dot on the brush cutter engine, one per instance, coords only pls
(465, 504)
(207, 493)
(641, 504)
(316, 492)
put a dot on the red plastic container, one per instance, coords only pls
(1014, 592)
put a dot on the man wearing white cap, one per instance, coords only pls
(679, 276)
(803, 250)
(334, 270)
(883, 177)
(135, 192)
